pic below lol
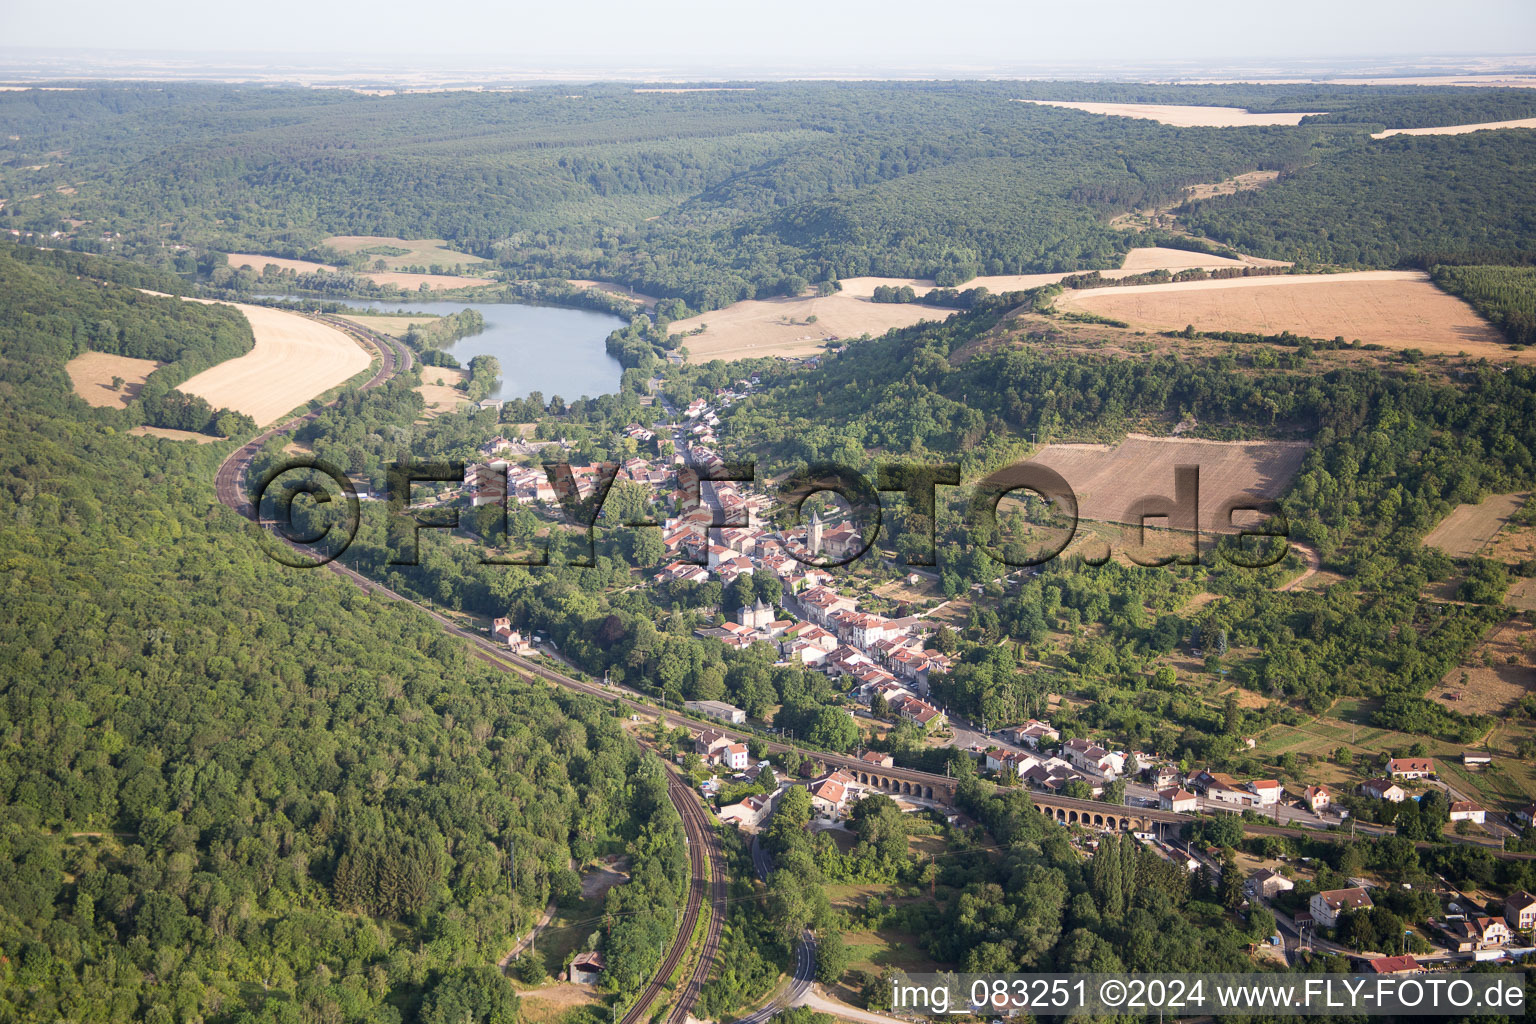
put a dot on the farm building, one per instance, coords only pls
(587, 968)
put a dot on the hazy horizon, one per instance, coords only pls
(680, 36)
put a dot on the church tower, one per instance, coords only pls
(813, 534)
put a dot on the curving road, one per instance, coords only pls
(803, 975)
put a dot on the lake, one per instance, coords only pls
(549, 349)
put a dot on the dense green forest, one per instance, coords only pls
(1386, 203)
(42, 308)
(715, 196)
(242, 793)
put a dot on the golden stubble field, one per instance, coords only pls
(91, 374)
(1181, 115)
(1397, 308)
(1459, 129)
(1469, 529)
(782, 326)
(294, 359)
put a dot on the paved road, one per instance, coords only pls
(805, 955)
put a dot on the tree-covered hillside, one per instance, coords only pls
(715, 196)
(237, 792)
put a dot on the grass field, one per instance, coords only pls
(398, 253)
(91, 375)
(1497, 673)
(1469, 529)
(1181, 116)
(294, 359)
(1399, 309)
(1507, 784)
(259, 263)
(396, 325)
(1459, 129)
(438, 387)
(1109, 479)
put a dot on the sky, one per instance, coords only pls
(800, 33)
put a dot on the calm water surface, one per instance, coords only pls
(550, 349)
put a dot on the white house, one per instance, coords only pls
(1266, 792)
(1327, 906)
(1466, 810)
(1382, 789)
(1410, 767)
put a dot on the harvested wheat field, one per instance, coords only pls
(780, 327)
(259, 263)
(1137, 261)
(1182, 116)
(435, 282)
(91, 374)
(439, 390)
(1396, 308)
(1109, 479)
(175, 435)
(1459, 129)
(1471, 528)
(294, 359)
(1492, 689)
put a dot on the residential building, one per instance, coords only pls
(1179, 800)
(1031, 733)
(1265, 884)
(1467, 810)
(1394, 965)
(830, 794)
(1317, 798)
(923, 714)
(1520, 911)
(1327, 906)
(1266, 792)
(1091, 757)
(1383, 789)
(876, 758)
(749, 813)
(1411, 768)
(736, 757)
(711, 745)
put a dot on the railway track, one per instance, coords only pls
(714, 860)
